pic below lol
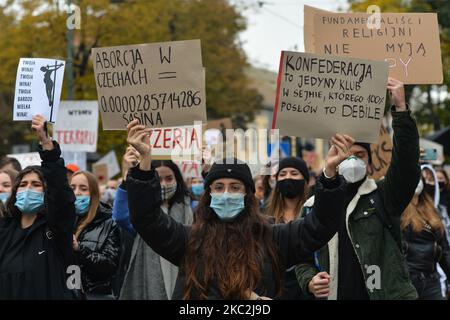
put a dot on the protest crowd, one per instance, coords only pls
(228, 232)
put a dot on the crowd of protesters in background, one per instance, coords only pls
(294, 234)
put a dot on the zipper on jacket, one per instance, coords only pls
(356, 252)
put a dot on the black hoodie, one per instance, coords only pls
(34, 261)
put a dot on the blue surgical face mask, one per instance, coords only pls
(82, 205)
(4, 196)
(197, 189)
(29, 201)
(227, 205)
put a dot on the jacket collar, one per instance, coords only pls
(368, 186)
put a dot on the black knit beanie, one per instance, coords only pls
(230, 168)
(297, 163)
(367, 147)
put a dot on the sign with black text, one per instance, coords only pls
(38, 88)
(160, 84)
(409, 42)
(319, 96)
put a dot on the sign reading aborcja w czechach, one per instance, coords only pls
(319, 96)
(161, 84)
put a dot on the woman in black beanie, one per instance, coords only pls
(230, 251)
(285, 204)
(291, 190)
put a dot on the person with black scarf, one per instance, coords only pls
(284, 205)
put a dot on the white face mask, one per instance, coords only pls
(353, 169)
(419, 188)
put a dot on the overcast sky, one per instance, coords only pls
(274, 26)
(277, 26)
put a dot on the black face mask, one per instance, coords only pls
(429, 189)
(291, 188)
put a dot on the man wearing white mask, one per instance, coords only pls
(364, 259)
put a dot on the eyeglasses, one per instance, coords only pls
(231, 188)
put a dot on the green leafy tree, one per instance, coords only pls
(38, 29)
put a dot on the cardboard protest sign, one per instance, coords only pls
(38, 88)
(190, 170)
(77, 126)
(100, 170)
(319, 96)
(27, 159)
(409, 42)
(308, 26)
(111, 162)
(161, 84)
(171, 142)
(381, 155)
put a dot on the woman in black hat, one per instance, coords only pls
(230, 251)
(285, 204)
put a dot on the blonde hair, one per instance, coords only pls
(421, 210)
(94, 193)
(277, 206)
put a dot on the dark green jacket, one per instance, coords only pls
(373, 242)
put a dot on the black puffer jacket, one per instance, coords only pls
(424, 249)
(99, 252)
(294, 240)
(42, 258)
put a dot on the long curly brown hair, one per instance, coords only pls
(229, 253)
(421, 210)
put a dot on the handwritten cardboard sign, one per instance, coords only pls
(409, 42)
(308, 26)
(161, 84)
(175, 142)
(190, 170)
(319, 96)
(77, 126)
(381, 155)
(38, 88)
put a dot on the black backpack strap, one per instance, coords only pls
(377, 202)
